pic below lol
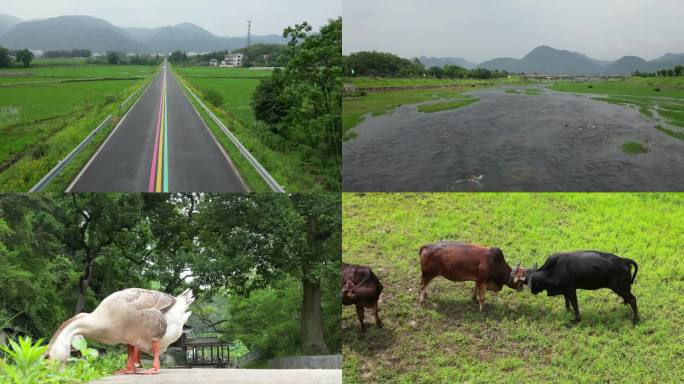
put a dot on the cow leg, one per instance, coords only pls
(375, 314)
(573, 300)
(474, 297)
(567, 302)
(631, 300)
(423, 287)
(481, 291)
(359, 313)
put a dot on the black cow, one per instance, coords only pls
(564, 273)
(362, 288)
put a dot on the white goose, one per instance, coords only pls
(145, 320)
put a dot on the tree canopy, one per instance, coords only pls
(302, 103)
(64, 253)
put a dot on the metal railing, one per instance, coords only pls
(268, 179)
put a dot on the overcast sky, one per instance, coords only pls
(221, 17)
(479, 30)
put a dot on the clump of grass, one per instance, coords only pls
(657, 89)
(669, 132)
(634, 148)
(533, 92)
(590, 86)
(436, 107)
(513, 91)
(213, 96)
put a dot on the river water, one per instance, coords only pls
(508, 142)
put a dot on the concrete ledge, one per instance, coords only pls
(307, 362)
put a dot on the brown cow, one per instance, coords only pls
(457, 261)
(362, 288)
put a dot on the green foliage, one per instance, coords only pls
(25, 57)
(64, 253)
(264, 55)
(68, 53)
(24, 363)
(383, 64)
(252, 241)
(310, 96)
(519, 337)
(113, 58)
(212, 96)
(178, 57)
(4, 57)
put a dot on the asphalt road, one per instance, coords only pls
(160, 145)
(231, 376)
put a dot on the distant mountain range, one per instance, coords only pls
(547, 60)
(7, 22)
(87, 32)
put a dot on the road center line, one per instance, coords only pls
(153, 169)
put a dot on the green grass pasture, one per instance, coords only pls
(520, 337)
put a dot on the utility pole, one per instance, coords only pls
(249, 33)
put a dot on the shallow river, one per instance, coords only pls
(507, 142)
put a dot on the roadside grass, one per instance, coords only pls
(519, 337)
(285, 164)
(437, 107)
(48, 121)
(634, 148)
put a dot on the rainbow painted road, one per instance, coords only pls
(159, 171)
(160, 145)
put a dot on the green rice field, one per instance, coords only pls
(45, 111)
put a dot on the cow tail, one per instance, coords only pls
(636, 268)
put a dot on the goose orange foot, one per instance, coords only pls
(130, 364)
(155, 363)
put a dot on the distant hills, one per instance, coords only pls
(7, 22)
(547, 60)
(442, 61)
(98, 35)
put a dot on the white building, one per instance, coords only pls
(213, 63)
(232, 60)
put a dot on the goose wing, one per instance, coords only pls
(143, 299)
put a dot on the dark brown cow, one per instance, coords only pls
(457, 261)
(362, 288)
